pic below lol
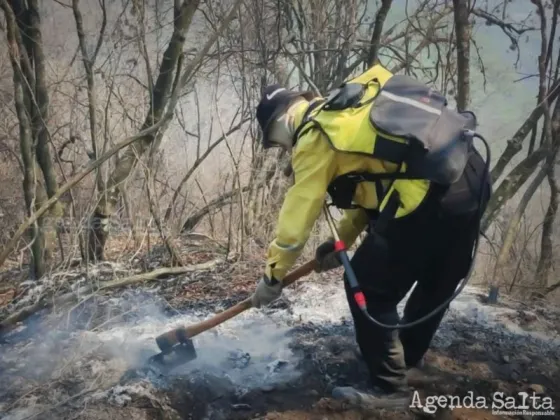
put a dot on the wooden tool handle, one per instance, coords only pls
(170, 338)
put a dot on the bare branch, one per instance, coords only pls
(510, 29)
(515, 144)
(380, 17)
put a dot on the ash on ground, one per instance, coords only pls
(276, 363)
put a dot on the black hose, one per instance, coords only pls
(358, 295)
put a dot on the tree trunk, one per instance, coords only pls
(32, 190)
(42, 98)
(38, 107)
(31, 100)
(463, 39)
(547, 251)
(39, 110)
(546, 257)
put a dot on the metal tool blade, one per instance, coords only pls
(178, 355)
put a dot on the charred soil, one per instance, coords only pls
(276, 364)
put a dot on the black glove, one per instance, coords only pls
(326, 257)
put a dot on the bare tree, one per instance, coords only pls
(547, 152)
(550, 140)
(88, 61)
(171, 77)
(32, 106)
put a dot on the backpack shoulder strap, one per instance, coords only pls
(303, 126)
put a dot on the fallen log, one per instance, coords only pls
(156, 274)
(46, 301)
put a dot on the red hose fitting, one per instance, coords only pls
(360, 300)
(339, 246)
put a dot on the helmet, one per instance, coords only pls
(274, 101)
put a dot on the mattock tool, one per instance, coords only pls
(177, 347)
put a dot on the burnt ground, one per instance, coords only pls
(279, 363)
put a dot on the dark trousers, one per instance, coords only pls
(433, 247)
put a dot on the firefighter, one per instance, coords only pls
(429, 240)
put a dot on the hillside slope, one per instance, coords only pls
(277, 363)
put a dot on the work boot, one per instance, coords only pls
(375, 398)
(419, 365)
(419, 375)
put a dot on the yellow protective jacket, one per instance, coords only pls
(315, 164)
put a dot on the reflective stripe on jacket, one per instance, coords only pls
(315, 164)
